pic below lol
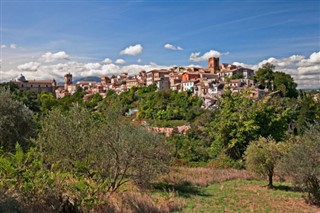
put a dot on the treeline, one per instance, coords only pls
(222, 135)
(237, 120)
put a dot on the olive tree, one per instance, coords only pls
(16, 122)
(263, 155)
(102, 146)
(302, 162)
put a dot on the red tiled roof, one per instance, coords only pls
(192, 80)
(40, 81)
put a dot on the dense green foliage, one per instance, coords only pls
(170, 105)
(308, 111)
(16, 123)
(233, 125)
(265, 75)
(240, 120)
(285, 84)
(281, 81)
(28, 98)
(24, 172)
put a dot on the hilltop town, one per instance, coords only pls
(159, 106)
(208, 83)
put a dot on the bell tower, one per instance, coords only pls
(213, 64)
(67, 80)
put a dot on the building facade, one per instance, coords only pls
(36, 86)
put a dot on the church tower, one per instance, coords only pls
(213, 64)
(67, 80)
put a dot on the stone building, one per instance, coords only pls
(213, 64)
(36, 86)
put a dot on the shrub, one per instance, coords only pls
(302, 162)
(224, 162)
(103, 147)
(16, 123)
(263, 155)
(26, 184)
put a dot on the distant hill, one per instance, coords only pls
(89, 78)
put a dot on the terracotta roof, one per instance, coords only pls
(159, 71)
(193, 80)
(191, 73)
(40, 81)
(236, 81)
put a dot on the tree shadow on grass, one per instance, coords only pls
(288, 188)
(11, 205)
(183, 189)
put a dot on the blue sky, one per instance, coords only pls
(90, 31)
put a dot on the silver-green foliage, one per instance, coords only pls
(302, 162)
(102, 147)
(263, 155)
(16, 122)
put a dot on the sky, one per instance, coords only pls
(46, 39)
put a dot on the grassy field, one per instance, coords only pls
(245, 196)
(198, 189)
(211, 190)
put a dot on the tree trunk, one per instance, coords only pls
(270, 184)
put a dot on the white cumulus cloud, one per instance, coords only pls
(314, 59)
(172, 47)
(51, 57)
(107, 61)
(120, 61)
(196, 57)
(13, 46)
(132, 50)
(3, 46)
(304, 70)
(92, 66)
(251, 66)
(30, 66)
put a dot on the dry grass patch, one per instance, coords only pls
(201, 176)
(136, 202)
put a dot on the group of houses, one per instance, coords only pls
(208, 83)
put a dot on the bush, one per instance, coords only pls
(16, 123)
(103, 147)
(225, 162)
(302, 163)
(263, 155)
(80, 158)
(25, 182)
